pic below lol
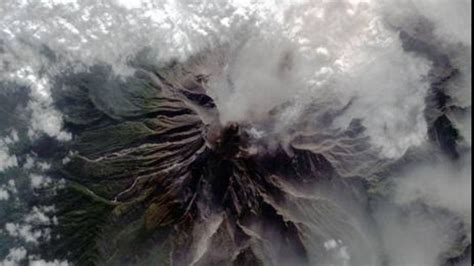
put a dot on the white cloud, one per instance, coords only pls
(441, 185)
(339, 253)
(11, 186)
(24, 232)
(48, 263)
(451, 19)
(25, 229)
(7, 190)
(44, 118)
(30, 163)
(414, 237)
(325, 61)
(7, 160)
(14, 257)
(38, 215)
(4, 194)
(39, 181)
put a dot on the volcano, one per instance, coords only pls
(171, 179)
